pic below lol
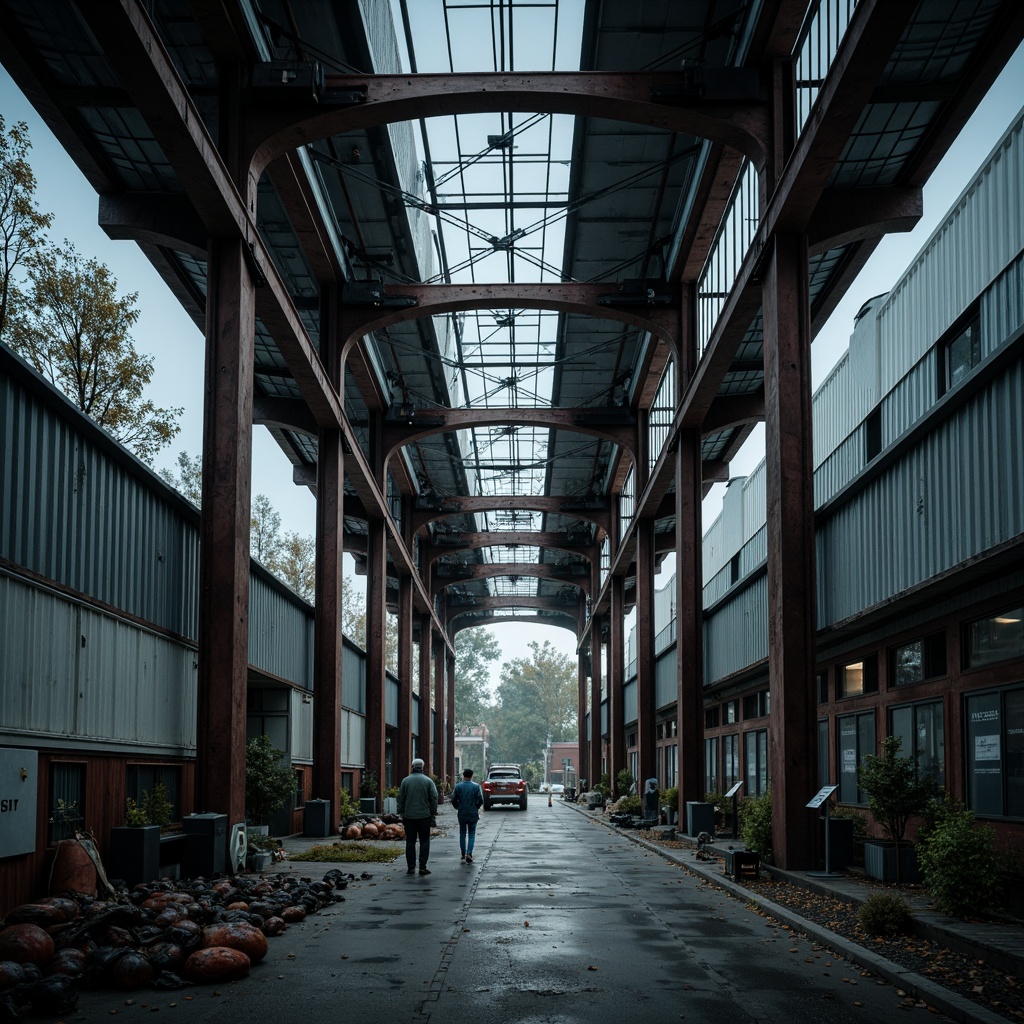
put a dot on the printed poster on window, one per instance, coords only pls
(986, 748)
(850, 762)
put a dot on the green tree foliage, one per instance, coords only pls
(188, 481)
(536, 698)
(353, 612)
(75, 330)
(264, 530)
(268, 779)
(896, 790)
(475, 651)
(22, 225)
(294, 561)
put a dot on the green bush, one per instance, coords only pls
(756, 824)
(670, 798)
(624, 781)
(629, 805)
(884, 913)
(346, 806)
(269, 782)
(959, 861)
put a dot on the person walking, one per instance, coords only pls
(467, 798)
(417, 804)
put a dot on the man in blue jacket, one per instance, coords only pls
(467, 799)
(417, 803)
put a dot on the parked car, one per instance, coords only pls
(504, 785)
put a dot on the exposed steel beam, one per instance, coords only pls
(597, 512)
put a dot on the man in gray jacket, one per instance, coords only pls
(417, 804)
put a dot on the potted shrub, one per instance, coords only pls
(268, 781)
(896, 792)
(670, 804)
(391, 800)
(135, 845)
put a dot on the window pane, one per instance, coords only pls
(908, 664)
(930, 745)
(1015, 753)
(999, 638)
(847, 727)
(67, 799)
(851, 679)
(901, 725)
(823, 752)
(984, 757)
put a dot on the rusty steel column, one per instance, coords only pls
(423, 725)
(689, 621)
(646, 699)
(790, 534)
(582, 693)
(616, 737)
(402, 756)
(376, 615)
(596, 675)
(223, 661)
(437, 762)
(449, 725)
(327, 640)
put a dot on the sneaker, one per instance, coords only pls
(424, 871)
(469, 858)
(411, 871)
(462, 857)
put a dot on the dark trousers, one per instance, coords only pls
(417, 828)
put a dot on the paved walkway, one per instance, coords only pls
(561, 920)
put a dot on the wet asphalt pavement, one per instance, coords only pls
(558, 921)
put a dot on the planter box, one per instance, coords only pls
(135, 853)
(391, 805)
(880, 862)
(700, 817)
(260, 861)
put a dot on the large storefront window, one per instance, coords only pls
(756, 761)
(995, 753)
(921, 732)
(711, 764)
(823, 752)
(730, 760)
(856, 739)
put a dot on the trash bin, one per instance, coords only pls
(700, 817)
(840, 842)
(206, 844)
(316, 818)
(368, 805)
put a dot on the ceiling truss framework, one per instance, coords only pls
(510, 317)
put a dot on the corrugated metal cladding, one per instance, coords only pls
(976, 241)
(910, 399)
(604, 717)
(300, 716)
(75, 515)
(629, 703)
(665, 680)
(736, 635)
(353, 678)
(839, 468)
(69, 671)
(280, 632)
(955, 495)
(391, 701)
(353, 738)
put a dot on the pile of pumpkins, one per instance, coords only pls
(368, 826)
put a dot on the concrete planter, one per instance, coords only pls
(880, 862)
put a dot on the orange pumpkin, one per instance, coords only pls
(237, 935)
(218, 963)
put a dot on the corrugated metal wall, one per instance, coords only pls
(280, 631)
(629, 703)
(70, 673)
(956, 494)
(737, 634)
(74, 513)
(300, 715)
(665, 680)
(981, 235)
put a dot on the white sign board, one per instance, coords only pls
(19, 782)
(735, 789)
(822, 795)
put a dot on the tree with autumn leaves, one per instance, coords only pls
(61, 312)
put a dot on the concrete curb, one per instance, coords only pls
(955, 1006)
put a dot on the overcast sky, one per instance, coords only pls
(169, 335)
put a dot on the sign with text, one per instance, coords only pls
(821, 796)
(19, 780)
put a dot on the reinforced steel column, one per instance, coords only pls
(376, 615)
(616, 737)
(449, 725)
(402, 756)
(423, 727)
(689, 620)
(646, 699)
(596, 675)
(223, 661)
(790, 534)
(327, 640)
(437, 762)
